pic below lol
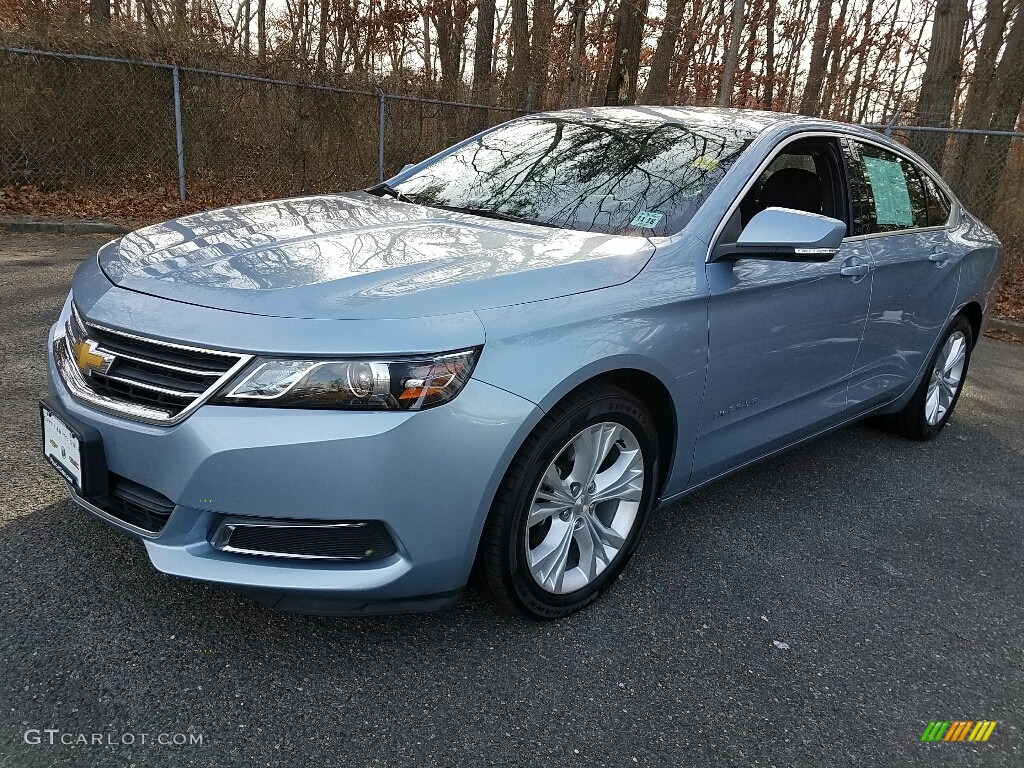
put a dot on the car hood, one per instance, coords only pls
(358, 256)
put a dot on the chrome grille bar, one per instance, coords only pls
(128, 381)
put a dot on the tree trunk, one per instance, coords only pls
(725, 87)
(428, 49)
(629, 29)
(543, 22)
(836, 73)
(941, 78)
(99, 12)
(984, 169)
(261, 29)
(811, 100)
(657, 81)
(579, 38)
(519, 58)
(862, 56)
(977, 107)
(768, 101)
(484, 49)
(321, 47)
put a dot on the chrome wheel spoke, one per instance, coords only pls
(553, 488)
(931, 405)
(548, 561)
(956, 357)
(590, 551)
(592, 447)
(605, 535)
(623, 480)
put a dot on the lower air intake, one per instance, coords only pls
(359, 540)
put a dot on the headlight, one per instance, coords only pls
(410, 384)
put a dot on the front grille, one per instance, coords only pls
(134, 504)
(137, 377)
(361, 540)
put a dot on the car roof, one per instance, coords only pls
(749, 120)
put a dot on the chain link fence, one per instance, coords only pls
(94, 125)
(87, 123)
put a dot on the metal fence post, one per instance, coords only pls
(895, 116)
(177, 133)
(380, 135)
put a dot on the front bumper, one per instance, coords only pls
(429, 476)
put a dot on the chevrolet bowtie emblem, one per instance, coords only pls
(89, 359)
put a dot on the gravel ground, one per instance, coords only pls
(818, 609)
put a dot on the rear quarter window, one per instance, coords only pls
(939, 206)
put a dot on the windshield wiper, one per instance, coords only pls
(487, 213)
(386, 189)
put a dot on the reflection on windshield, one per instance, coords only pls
(601, 175)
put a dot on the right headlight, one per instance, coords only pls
(409, 384)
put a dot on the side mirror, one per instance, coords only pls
(783, 234)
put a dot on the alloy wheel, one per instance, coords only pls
(584, 507)
(946, 378)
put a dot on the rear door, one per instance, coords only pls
(905, 219)
(783, 336)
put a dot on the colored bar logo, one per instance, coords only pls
(958, 730)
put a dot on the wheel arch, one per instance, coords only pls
(654, 395)
(647, 387)
(975, 315)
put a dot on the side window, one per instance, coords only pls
(938, 204)
(888, 193)
(805, 176)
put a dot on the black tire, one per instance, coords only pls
(502, 569)
(912, 421)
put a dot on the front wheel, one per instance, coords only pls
(936, 397)
(573, 505)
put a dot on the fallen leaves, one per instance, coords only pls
(129, 208)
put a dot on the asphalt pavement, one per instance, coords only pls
(819, 609)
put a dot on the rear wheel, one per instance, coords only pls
(936, 397)
(573, 505)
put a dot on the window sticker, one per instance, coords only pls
(705, 163)
(647, 219)
(889, 188)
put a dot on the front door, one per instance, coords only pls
(783, 336)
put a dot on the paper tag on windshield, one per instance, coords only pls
(705, 163)
(647, 219)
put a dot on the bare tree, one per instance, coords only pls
(810, 102)
(941, 77)
(483, 52)
(99, 12)
(540, 47)
(657, 80)
(768, 102)
(732, 56)
(519, 55)
(629, 29)
(579, 30)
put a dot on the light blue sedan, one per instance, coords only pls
(502, 360)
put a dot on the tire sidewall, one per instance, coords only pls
(623, 410)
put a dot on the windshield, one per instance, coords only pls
(599, 175)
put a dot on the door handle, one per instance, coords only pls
(854, 270)
(939, 257)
